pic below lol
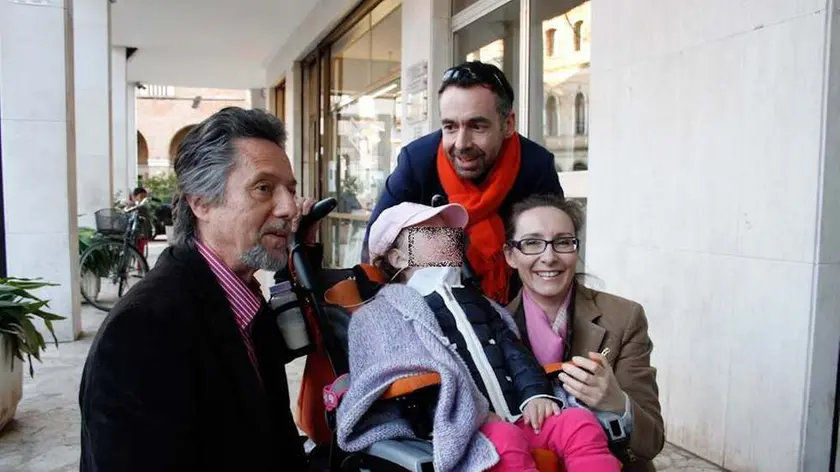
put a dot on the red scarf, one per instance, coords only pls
(486, 231)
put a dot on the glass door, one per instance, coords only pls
(363, 126)
(309, 122)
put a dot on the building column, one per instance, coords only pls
(39, 153)
(91, 44)
(715, 203)
(824, 336)
(123, 184)
(131, 132)
(258, 98)
(424, 24)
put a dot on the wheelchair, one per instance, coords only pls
(328, 297)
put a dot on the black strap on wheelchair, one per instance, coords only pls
(367, 288)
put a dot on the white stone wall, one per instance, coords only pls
(39, 153)
(131, 132)
(122, 183)
(258, 98)
(821, 396)
(712, 204)
(92, 56)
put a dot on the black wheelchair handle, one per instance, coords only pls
(318, 212)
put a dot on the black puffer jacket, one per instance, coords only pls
(520, 375)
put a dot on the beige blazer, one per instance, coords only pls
(599, 321)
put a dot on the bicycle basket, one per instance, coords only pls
(111, 221)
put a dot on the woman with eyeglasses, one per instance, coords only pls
(602, 339)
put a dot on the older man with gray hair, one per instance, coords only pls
(187, 372)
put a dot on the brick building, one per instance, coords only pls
(165, 114)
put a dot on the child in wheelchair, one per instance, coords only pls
(495, 403)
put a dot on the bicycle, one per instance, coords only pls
(113, 264)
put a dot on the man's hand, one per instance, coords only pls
(304, 206)
(538, 410)
(593, 382)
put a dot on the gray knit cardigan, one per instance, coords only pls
(395, 336)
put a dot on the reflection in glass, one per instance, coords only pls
(494, 38)
(560, 98)
(365, 106)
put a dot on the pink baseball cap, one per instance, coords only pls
(386, 228)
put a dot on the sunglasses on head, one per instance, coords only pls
(482, 75)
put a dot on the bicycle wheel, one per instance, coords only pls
(109, 270)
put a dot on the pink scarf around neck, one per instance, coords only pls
(547, 338)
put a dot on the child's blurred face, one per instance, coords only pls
(428, 244)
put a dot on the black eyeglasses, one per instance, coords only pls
(479, 73)
(532, 247)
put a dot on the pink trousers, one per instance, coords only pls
(575, 436)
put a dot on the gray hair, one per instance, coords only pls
(207, 155)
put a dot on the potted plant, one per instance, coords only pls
(19, 338)
(90, 282)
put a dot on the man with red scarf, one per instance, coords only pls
(476, 159)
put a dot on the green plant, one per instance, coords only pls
(161, 186)
(86, 237)
(18, 308)
(101, 261)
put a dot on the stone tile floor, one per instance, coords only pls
(44, 436)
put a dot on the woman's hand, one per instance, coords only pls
(538, 410)
(593, 382)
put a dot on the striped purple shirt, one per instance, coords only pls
(245, 300)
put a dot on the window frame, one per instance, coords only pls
(529, 70)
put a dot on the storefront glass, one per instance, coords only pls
(557, 59)
(494, 38)
(560, 53)
(364, 126)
